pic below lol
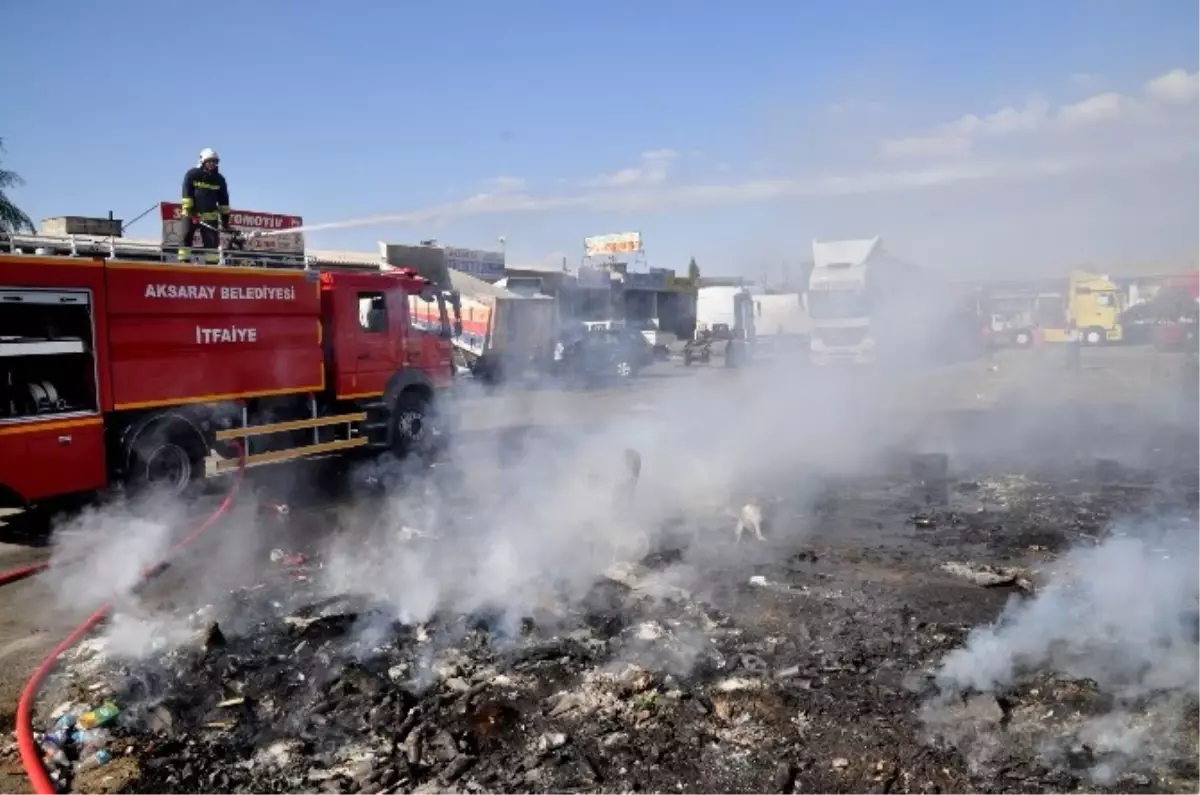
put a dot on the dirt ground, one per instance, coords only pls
(816, 647)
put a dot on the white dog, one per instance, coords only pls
(749, 517)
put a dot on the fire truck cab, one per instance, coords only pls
(118, 368)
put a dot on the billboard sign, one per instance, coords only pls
(612, 245)
(285, 243)
(486, 265)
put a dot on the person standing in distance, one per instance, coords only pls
(205, 203)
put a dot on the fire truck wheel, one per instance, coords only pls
(167, 457)
(412, 429)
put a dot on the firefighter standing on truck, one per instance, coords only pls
(205, 203)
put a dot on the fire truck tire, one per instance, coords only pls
(411, 430)
(1094, 336)
(166, 455)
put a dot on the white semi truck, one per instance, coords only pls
(838, 302)
(861, 299)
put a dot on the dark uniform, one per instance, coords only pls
(205, 197)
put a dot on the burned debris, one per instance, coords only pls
(825, 663)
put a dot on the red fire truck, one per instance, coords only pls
(117, 367)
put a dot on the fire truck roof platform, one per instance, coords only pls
(140, 250)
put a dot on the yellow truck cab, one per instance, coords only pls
(1095, 305)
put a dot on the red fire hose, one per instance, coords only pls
(19, 574)
(31, 756)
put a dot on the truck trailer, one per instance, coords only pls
(118, 368)
(505, 334)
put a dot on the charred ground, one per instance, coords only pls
(806, 663)
(803, 663)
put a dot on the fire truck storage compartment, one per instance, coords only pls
(47, 359)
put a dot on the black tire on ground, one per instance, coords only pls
(166, 456)
(411, 424)
(1094, 336)
(1022, 339)
(624, 369)
(491, 373)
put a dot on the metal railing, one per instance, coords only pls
(116, 248)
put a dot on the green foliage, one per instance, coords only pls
(12, 219)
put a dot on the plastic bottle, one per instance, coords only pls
(58, 738)
(101, 715)
(55, 757)
(98, 759)
(95, 738)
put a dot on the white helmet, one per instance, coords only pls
(208, 154)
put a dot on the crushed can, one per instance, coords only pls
(102, 715)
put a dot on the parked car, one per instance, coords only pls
(601, 354)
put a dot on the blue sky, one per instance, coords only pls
(734, 132)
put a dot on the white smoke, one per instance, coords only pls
(1120, 617)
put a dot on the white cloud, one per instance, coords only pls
(936, 145)
(1176, 87)
(504, 184)
(1054, 141)
(1108, 106)
(652, 171)
(954, 138)
(664, 198)
(958, 138)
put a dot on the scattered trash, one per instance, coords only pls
(989, 576)
(620, 688)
